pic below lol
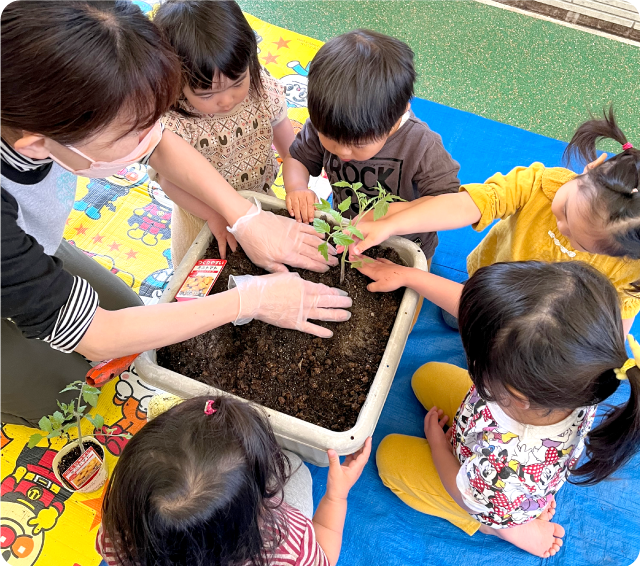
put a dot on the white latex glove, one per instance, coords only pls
(286, 300)
(270, 241)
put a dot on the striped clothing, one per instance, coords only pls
(300, 548)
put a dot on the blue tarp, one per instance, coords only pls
(602, 523)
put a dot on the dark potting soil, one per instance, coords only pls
(70, 457)
(322, 381)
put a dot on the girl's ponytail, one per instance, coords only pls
(612, 443)
(583, 143)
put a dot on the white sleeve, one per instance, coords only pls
(462, 483)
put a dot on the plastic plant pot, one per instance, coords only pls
(307, 440)
(92, 485)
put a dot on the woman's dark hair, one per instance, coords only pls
(192, 489)
(552, 332)
(211, 39)
(70, 68)
(614, 186)
(359, 86)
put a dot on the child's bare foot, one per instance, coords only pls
(549, 511)
(540, 537)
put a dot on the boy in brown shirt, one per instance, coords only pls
(361, 129)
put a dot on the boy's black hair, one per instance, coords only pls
(553, 333)
(212, 38)
(192, 489)
(359, 86)
(69, 69)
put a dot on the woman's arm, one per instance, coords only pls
(114, 334)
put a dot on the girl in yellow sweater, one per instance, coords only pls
(547, 214)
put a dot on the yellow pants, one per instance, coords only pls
(404, 462)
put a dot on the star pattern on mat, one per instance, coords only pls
(96, 505)
(81, 229)
(114, 246)
(270, 58)
(131, 254)
(97, 239)
(282, 43)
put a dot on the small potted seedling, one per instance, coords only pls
(80, 465)
(340, 234)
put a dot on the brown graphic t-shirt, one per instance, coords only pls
(237, 144)
(413, 163)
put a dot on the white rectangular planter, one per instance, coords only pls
(308, 440)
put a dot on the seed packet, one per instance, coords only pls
(83, 469)
(201, 279)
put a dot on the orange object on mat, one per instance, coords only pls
(107, 370)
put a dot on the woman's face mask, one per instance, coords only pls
(101, 169)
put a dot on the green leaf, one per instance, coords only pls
(91, 398)
(380, 209)
(321, 226)
(342, 239)
(355, 232)
(71, 387)
(337, 217)
(93, 390)
(344, 205)
(342, 184)
(45, 424)
(69, 426)
(323, 206)
(34, 439)
(128, 435)
(324, 250)
(356, 186)
(55, 433)
(366, 259)
(57, 419)
(97, 421)
(336, 228)
(356, 264)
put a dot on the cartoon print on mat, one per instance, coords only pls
(152, 223)
(104, 192)
(295, 86)
(153, 285)
(110, 264)
(32, 502)
(4, 439)
(132, 396)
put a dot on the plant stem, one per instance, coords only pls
(342, 263)
(78, 416)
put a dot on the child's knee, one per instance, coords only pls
(387, 454)
(428, 374)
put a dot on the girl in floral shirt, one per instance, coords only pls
(231, 110)
(544, 346)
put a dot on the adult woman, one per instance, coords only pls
(83, 87)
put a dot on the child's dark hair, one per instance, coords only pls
(553, 333)
(69, 69)
(614, 185)
(193, 489)
(359, 86)
(211, 39)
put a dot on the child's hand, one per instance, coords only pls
(300, 204)
(218, 226)
(374, 232)
(433, 428)
(387, 276)
(343, 476)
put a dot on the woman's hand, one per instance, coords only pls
(218, 226)
(288, 301)
(270, 241)
(300, 204)
(387, 276)
(342, 477)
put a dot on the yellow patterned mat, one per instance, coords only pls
(124, 223)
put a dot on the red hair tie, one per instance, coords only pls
(627, 146)
(208, 407)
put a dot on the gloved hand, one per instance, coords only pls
(286, 300)
(270, 241)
